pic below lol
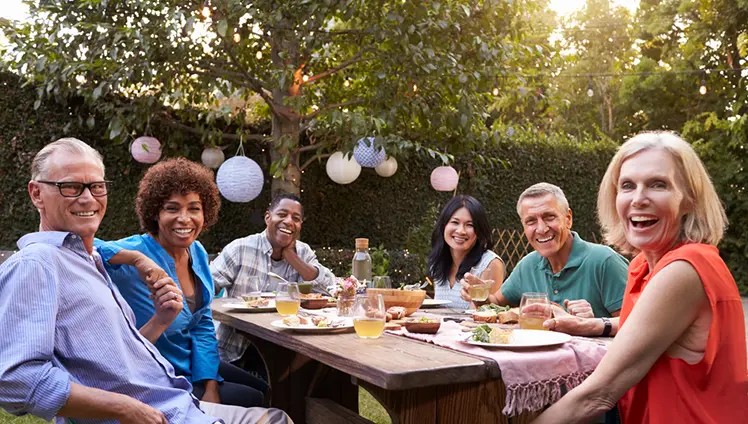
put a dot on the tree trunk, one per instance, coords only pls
(286, 134)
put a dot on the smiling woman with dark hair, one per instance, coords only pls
(177, 200)
(460, 241)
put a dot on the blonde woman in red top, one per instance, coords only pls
(680, 353)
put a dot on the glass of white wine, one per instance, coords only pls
(287, 299)
(253, 292)
(369, 315)
(479, 292)
(534, 309)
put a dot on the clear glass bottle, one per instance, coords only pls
(362, 261)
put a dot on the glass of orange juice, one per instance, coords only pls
(534, 309)
(287, 299)
(369, 315)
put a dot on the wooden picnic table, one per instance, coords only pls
(313, 377)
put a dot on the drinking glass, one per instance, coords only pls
(252, 288)
(287, 299)
(479, 292)
(369, 315)
(382, 282)
(534, 309)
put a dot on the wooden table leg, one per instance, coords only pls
(470, 403)
(294, 377)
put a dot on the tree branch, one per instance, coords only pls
(332, 106)
(312, 159)
(308, 148)
(227, 136)
(356, 58)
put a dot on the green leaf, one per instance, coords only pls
(222, 27)
(37, 104)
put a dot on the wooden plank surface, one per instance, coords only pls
(390, 362)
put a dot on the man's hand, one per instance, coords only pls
(137, 412)
(289, 250)
(564, 322)
(167, 299)
(211, 392)
(580, 308)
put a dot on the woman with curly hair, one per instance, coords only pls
(178, 199)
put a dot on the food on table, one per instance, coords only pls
(423, 325)
(485, 316)
(295, 320)
(305, 288)
(392, 326)
(256, 302)
(493, 307)
(321, 321)
(311, 296)
(501, 336)
(396, 312)
(509, 317)
(481, 332)
(374, 313)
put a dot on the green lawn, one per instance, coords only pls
(368, 407)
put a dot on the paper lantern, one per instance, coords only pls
(367, 155)
(387, 168)
(444, 178)
(146, 150)
(212, 157)
(240, 179)
(342, 170)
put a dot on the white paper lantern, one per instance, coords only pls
(444, 178)
(240, 179)
(146, 150)
(212, 157)
(387, 168)
(342, 170)
(367, 155)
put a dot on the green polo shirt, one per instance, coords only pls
(593, 272)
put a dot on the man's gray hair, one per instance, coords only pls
(542, 189)
(40, 164)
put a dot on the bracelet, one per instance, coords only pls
(608, 327)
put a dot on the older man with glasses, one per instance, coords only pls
(70, 345)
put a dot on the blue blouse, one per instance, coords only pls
(189, 343)
(442, 291)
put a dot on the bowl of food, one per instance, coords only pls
(313, 301)
(424, 325)
(411, 300)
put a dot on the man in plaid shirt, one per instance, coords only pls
(276, 249)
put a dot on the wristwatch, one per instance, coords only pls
(608, 327)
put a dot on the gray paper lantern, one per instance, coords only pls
(342, 170)
(240, 179)
(212, 157)
(367, 155)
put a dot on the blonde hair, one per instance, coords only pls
(40, 164)
(540, 190)
(705, 221)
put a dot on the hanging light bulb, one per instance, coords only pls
(305, 78)
(258, 55)
(237, 37)
(495, 91)
(346, 83)
(702, 88)
(590, 91)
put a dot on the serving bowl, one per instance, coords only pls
(411, 300)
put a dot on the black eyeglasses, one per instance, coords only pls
(75, 189)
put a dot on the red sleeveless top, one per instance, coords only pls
(714, 390)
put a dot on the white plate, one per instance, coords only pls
(526, 339)
(267, 294)
(242, 307)
(313, 329)
(434, 303)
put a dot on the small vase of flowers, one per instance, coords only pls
(346, 292)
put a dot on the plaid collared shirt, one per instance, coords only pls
(249, 257)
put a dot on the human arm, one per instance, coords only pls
(167, 300)
(226, 266)
(563, 322)
(494, 272)
(306, 270)
(88, 402)
(666, 308)
(324, 277)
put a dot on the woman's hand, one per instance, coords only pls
(167, 299)
(467, 281)
(148, 270)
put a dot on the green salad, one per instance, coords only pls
(494, 308)
(481, 332)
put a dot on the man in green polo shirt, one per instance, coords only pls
(588, 279)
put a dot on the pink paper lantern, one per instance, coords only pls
(146, 150)
(444, 178)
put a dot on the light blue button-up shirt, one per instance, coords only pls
(62, 321)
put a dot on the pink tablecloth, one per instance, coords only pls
(533, 377)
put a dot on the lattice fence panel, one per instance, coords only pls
(512, 245)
